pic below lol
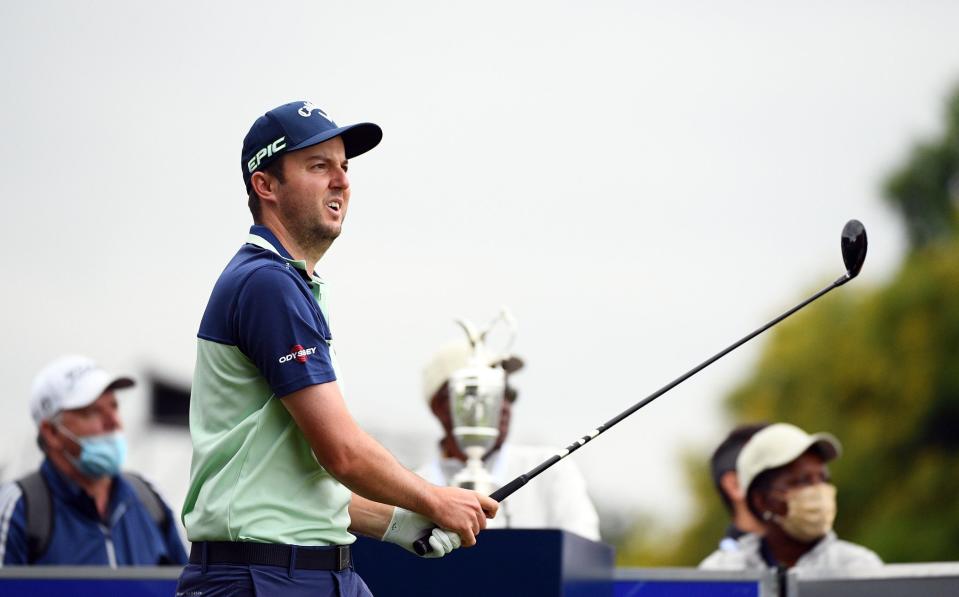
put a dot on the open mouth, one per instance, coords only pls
(334, 205)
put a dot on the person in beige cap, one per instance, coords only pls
(782, 471)
(557, 499)
(79, 508)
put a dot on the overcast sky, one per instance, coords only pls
(642, 183)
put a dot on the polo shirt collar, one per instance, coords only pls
(263, 237)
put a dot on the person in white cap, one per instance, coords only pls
(79, 509)
(556, 499)
(782, 471)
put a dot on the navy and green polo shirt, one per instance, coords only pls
(264, 335)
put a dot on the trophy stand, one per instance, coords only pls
(474, 475)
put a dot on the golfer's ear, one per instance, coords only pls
(264, 185)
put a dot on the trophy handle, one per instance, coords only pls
(477, 338)
(506, 317)
(474, 335)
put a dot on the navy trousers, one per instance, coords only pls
(265, 581)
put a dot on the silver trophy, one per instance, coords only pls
(476, 395)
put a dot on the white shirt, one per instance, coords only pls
(556, 499)
(830, 553)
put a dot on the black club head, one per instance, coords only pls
(853, 247)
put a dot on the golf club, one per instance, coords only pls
(853, 245)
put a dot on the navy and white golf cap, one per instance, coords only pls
(297, 125)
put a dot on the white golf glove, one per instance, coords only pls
(406, 527)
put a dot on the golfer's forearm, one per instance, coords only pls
(370, 471)
(368, 517)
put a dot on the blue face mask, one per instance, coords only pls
(100, 455)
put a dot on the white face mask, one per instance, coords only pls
(811, 512)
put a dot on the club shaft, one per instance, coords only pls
(508, 489)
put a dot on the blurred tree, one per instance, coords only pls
(925, 189)
(880, 369)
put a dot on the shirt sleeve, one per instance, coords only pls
(13, 536)
(278, 325)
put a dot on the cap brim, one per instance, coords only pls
(357, 138)
(87, 394)
(827, 444)
(120, 383)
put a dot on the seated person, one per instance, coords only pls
(783, 473)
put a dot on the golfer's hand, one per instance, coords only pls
(406, 527)
(461, 511)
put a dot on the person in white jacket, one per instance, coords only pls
(557, 499)
(783, 474)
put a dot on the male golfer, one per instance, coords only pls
(281, 472)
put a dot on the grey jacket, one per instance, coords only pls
(830, 553)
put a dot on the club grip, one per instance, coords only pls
(507, 490)
(422, 545)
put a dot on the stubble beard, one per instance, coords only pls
(310, 232)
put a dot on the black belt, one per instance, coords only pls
(336, 557)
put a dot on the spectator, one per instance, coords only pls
(786, 481)
(723, 468)
(79, 509)
(556, 499)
